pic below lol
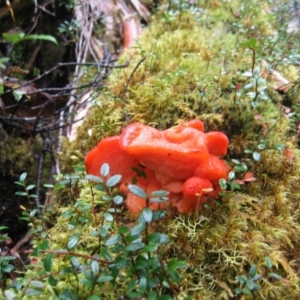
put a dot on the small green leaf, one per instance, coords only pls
(118, 200)
(174, 264)
(23, 176)
(161, 193)
(137, 229)
(52, 281)
(99, 187)
(135, 246)
(13, 38)
(235, 185)
(252, 42)
(74, 261)
(37, 284)
(21, 193)
(250, 284)
(274, 275)
(104, 278)
(67, 295)
(231, 175)
(113, 240)
(158, 214)
(150, 247)
(136, 190)
(250, 85)
(9, 295)
(107, 197)
(33, 196)
(18, 94)
(158, 200)
(87, 282)
(114, 180)
(44, 37)
(49, 186)
(121, 262)
(33, 292)
(93, 178)
(9, 258)
(256, 156)
(268, 262)
(30, 187)
(223, 183)
(105, 253)
(246, 291)
(152, 295)
(251, 95)
(131, 285)
(142, 284)
(109, 217)
(104, 171)
(73, 241)
(33, 213)
(174, 276)
(252, 271)
(236, 161)
(240, 168)
(157, 237)
(95, 267)
(124, 229)
(248, 151)
(44, 245)
(141, 262)
(7, 268)
(147, 214)
(48, 262)
(257, 277)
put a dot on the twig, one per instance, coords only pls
(130, 77)
(62, 65)
(127, 83)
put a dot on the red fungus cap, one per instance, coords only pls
(197, 185)
(108, 151)
(173, 154)
(212, 169)
(217, 142)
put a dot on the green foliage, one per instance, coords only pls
(5, 266)
(2, 61)
(27, 188)
(248, 283)
(18, 37)
(129, 258)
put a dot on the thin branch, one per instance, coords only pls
(130, 77)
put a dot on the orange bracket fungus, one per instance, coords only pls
(183, 160)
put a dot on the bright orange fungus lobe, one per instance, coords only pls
(183, 160)
(197, 186)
